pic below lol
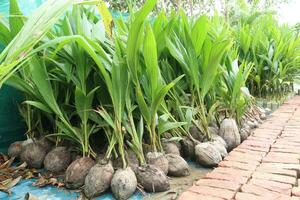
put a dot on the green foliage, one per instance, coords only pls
(148, 78)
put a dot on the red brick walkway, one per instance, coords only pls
(264, 167)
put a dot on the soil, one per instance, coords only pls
(180, 184)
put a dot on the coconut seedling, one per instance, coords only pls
(10, 29)
(199, 57)
(234, 100)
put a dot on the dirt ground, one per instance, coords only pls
(178, 185)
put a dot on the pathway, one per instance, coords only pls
(264, 167)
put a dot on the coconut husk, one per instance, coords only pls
(263, 116)
(187, 148)
(213, 130)
(57, 160)
(123, 183)
(177, 166)
(132, 159)
(33, 154)
(46, 144)
(244, 134)
(207, 155)
(230, 133)
(159, 160)
(196, 133)
(77, 171)
(152, 178)
(98, 179)
(219, 139)
(220, 147)
(170, 147)
(15, 149)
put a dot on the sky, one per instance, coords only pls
(290, 12)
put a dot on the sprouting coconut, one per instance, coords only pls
(46, 144)
(213, 129)
(207, 154)
(187, 148)
(220, 147)
(177, 166)
(218, 139)
(152, 178)
(196, 134)
(33, 154)
(251, 124)
(123, 183)
(230, 133)
(57, 160)
(98, 179)
(159, 160)
(244, 134)
(133, 161)
(77, 171)
(170, 147)
(263, 116)
(15, 149)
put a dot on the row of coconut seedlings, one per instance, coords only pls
(100, 175)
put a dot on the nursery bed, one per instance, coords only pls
(178, 185)
(50, 193)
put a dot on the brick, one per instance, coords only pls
(256, 157)
(284, 150)
(290, 155)
(276, 170)
(296, 191)
(226, 177)
(270, 140)
(241, 159)
(238, 165)
(295, 198)
(295, 167)
(255, 143)
(215, 192)
(288, 143)
(250, 152)
(232, 171)
(282, 188)
(280, 159)
(247, 196)
(230, 185)
(260, 191)
(285, 146)
(274, 177)
(252, 148)
(194, 196)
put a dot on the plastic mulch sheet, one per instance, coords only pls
(50, 193)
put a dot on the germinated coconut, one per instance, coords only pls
(230, 133)
(152, 178)
(57, 160)
(207, 155)
(123, 183)
(177, 166)
(159, 160)
(77, 171)
(98, 179)
(33, 154)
